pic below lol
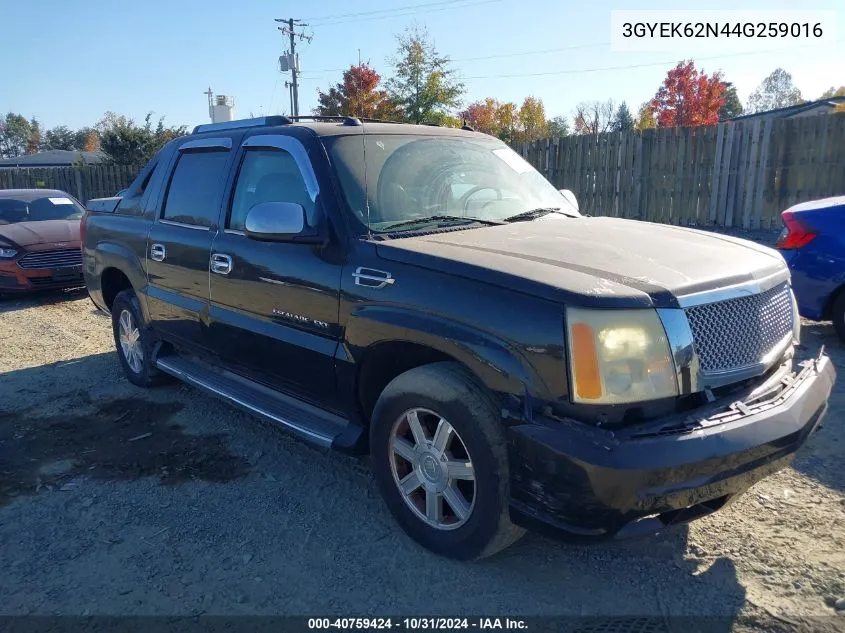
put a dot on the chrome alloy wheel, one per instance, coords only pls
(432, 468)
(130, 342)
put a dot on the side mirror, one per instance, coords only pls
(570, 198)
(278, 222)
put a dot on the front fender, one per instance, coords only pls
(499, 364)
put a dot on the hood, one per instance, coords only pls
(47, 231)
(609, 261)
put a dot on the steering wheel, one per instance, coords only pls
(464, 201)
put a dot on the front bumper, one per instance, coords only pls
(14, 279)
(588, 482)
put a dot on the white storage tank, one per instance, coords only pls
(223, 109)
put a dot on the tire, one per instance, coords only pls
(837, 315)
(138, 363)
(444, 392)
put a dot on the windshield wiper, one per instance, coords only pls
(532, 214)
(404, 224)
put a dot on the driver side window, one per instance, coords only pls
(268, 175)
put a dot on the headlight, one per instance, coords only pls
(619, 356)
(6, 253)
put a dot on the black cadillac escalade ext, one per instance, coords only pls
(423, 294)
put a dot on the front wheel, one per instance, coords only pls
(134, 341)
(440, 459)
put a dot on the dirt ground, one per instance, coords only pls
(122, 501)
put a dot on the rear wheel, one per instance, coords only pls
(837, 315)
(134, 341)
(440, 460)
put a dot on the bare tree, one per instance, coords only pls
(594, 117)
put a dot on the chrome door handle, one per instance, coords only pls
(158, 252)
(221, 264)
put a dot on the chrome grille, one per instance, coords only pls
(740, 332)
(52, 259)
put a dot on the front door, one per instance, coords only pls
(274, 306)
(179, 242)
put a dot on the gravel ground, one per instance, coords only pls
(122, 501)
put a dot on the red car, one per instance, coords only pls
(39, 240)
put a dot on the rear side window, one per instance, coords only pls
(196, 188)
(268, 175)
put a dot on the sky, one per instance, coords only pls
(69, 61)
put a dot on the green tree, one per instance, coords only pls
(127, 143)
(33, 143)
(60, 137)
(733, 106)
(833, 92)
(15, 131)
(558, 127)
(622, 120)
(776, 91)
(423, 85)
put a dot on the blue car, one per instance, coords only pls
(813, 244)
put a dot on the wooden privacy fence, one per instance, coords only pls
(92, 181)
(738, 173)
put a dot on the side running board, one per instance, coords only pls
(309, 422)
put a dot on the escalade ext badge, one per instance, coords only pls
(372, 278)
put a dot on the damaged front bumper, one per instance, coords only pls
(588, 482)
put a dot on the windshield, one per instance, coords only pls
(13, 210)
(411, 178)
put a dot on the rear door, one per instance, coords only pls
(179, 242)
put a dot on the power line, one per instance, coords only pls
(495, 56)
(536, 52)
(380, 11)
(663, 63)
(404, 14)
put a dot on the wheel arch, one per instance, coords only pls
(827, 307)
(379, 341)
(117, 268)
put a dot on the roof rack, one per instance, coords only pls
(262, 121)
(279, 119)
(348, 120)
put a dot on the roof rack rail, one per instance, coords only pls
(349, 120)
(263, 121)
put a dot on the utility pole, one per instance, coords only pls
(289, 29)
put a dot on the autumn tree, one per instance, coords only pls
(483, 116)
(86, 139)
(508, 115)
(594, 117)
(732, 106)
(423, 85)
(688, 97)
(358, 94)
(622, 120)
(776, 91)
(558, 127)
(645, 118)
(532, 120)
